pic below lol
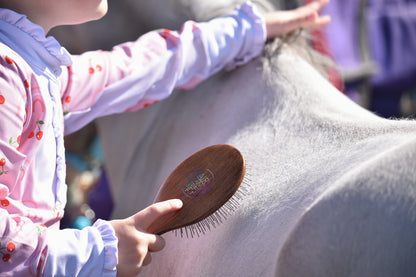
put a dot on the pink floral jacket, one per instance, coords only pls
(42, 87)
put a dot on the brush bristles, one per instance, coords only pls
(219, 216)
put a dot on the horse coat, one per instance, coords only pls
(332, 185)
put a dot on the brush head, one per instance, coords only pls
(204, 182)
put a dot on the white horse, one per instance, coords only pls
(333, 186)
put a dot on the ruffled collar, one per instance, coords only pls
(47, 49)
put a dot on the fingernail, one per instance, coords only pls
(177, 203)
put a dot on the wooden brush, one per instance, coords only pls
(208, 183)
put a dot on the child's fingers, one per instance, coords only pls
(147, 260)
(308, 16)
(319, 21)
(147, 216)
(309, 21)
(323, 20)
(311, 8)
(316, 5)
(156, 243)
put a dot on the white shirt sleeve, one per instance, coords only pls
(91, 251)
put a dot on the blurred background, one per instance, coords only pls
(372, 42)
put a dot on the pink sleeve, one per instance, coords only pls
(28, 248)
(137, 74)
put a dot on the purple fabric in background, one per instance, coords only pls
(342, 33)
(392, 30)
(391, 35)
(100, 198)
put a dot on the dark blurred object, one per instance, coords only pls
(374, 42)
(119, 25)
(89, 194)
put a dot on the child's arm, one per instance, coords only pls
(31, 243)
(137, 74)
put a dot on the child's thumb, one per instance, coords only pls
(144, 219)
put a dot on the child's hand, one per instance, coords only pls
(279, 23)
(134, 244)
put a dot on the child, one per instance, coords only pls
(42, 86)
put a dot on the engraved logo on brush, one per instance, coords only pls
(198, 182)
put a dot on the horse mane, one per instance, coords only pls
(297, 43)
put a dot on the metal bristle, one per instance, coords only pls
(219, 216)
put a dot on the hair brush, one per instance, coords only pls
(208, 183)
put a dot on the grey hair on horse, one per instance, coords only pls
(333, 185)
